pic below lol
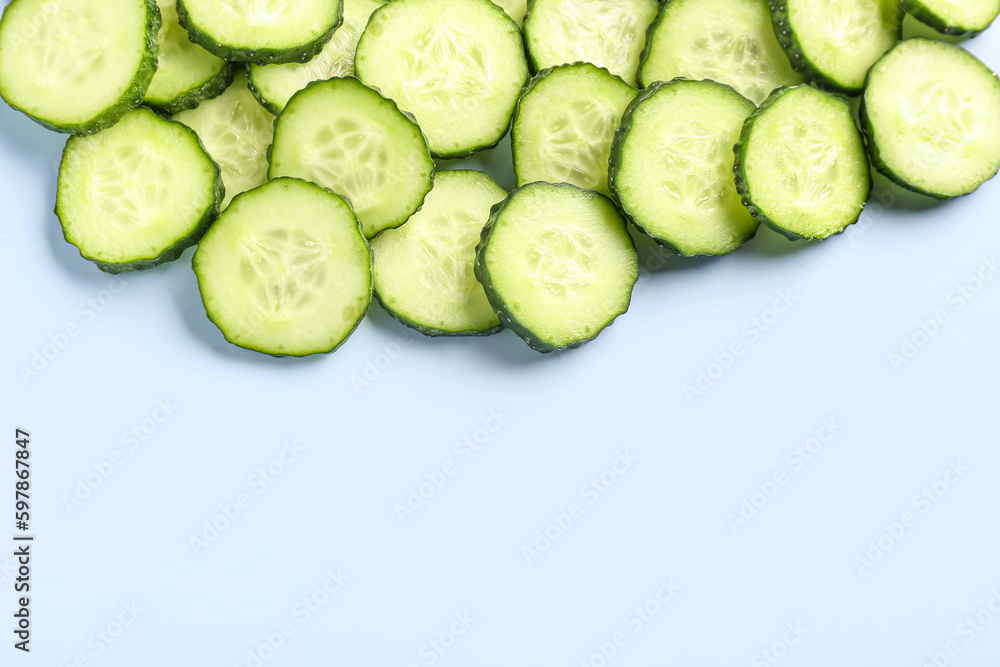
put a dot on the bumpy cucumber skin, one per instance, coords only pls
(739, 170)
(183, 243)
(614, 164)
(192, 98)
(430, 331)
(131, 98)
(796, 54)
(259, 96)
(496, 301)
(299, 54)
(925, 15)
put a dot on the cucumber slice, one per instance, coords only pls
(729, 41)
(345, 136)
(237, 133)
(671, 166)
(964, 18)
(835, 43)
(137, 194)
(274, 85)
(285, 270)
(186, 74)
(557, 263)
(516, 9)
(931, 114)
(77, 66)
(607, 34)
(424, 269)
(564, 124)
(801, 166)
(261, 31)
(457, 65)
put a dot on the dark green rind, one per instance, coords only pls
(299, 54)
(130, 99)
(371, 270)
(496, 301)
(739, 170)
(193, 97)
(259, 96)
(431, 331)
(615, 162)
(644, 55)
(925, 15)
(796, 54)
(535, 80)
(183, 243)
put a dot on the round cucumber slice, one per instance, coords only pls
(801, 166)
(137, 194)
(672, 166)
(931, 114)
(345, 136)
(424, 270)
(964, 18)
(261, 31)
(564, 124)
(77, 66)
(285, 270)
(457, 65)
(186, 74)
(557, 263)
(274, 85)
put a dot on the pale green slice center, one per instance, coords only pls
(284, 270)
(130, 186)
(446, 68)
(577, 144)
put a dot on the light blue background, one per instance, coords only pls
(565, 418)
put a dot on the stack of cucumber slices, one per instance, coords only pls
(298, 144)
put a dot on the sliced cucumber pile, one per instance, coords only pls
(345, 136)
(955, 17)
(729, 41)
(285, 270)
(564, 124)
(801, 165)
(424, 270)
(671, 167)
(931, 113)
(274, 85)
(138, 194)
(516, 9)
(608, 34)
(557, 263)
(77, 66)
(835, 43)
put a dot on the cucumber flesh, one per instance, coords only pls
(285, 270)
(801, 165)
(236, 132)
(962, 18)
(274, 85)
(186, 74)
(346, 137)
(564, 124)
(608, 34)
(516, 9)
(137, 194)
(77, 66)
(424, 270)
(931, 113)
(457, 65)
(557, 263)
(729, 41)
(671, 166)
